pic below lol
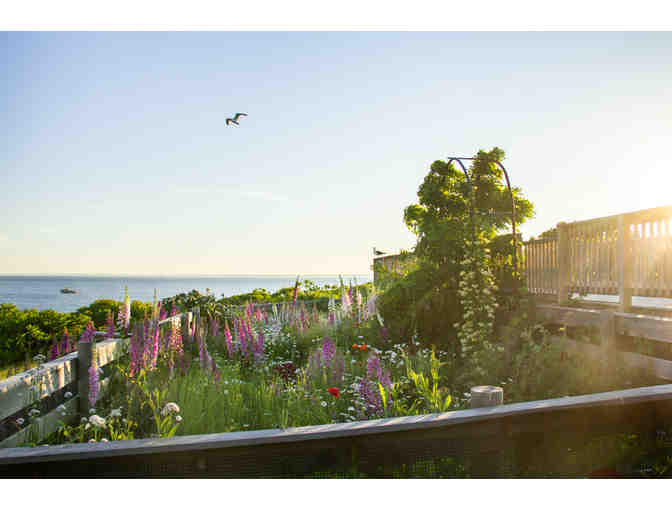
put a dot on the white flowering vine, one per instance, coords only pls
(477, 295)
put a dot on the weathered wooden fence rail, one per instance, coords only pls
(45, 388)
(530, 439)
(610, 324)
(626, 255)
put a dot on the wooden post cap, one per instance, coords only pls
(486, 396)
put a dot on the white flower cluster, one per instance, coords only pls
(170, 407)
(97, 421)
(476, 292)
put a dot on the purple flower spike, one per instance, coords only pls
(53, 352)
(227, 337)
(65, 342)
(373, 368)
(328, 350)
(93, 386)
(339, 369)
(88, 333)
(384, 335)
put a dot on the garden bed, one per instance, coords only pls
(259, 377)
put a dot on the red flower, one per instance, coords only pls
(334, 392)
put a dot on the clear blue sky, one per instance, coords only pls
(116, 158)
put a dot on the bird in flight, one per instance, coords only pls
(235, 118)
(377, 253)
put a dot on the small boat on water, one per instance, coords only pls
(68, 291)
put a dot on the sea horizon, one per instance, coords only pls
(43, 292)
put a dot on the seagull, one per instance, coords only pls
(235, 118)
(377, 253)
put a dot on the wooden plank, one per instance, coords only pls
(569, 316)
(655, 366)
(661, 368)
(50, 421)
(16, 392)
(625, 261)
(48, 425)
(564, 262)
(64, 453)
(645, 326)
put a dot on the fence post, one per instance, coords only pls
(197, 320)
(184, 323)
(86, 358)
(563, 264)
(486, 396)
(625, 268)
(607, 336)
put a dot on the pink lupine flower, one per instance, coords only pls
(88, 334)
(173, 311)
(93, 385)
(371, 396)
(265, 317)
(296, 291)
(242, 334)
(214, 328)
(260, 341)
(385, 380)
(124, 318)
(53, 352)
(227, 337)
(373, 368)
(65, 342)
(155, 346)
(303, 319)
(162, 313)
(328, 350)
(136, 351)
(109, 333)
(258, 315)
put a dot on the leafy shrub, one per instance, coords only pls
(24, 333)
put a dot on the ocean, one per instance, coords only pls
(43, 292)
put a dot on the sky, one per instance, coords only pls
(115, 157)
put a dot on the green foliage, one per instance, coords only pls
(448, 213)
(25, 333)
(98, 311)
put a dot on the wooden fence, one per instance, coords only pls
(45, 389)
(612, 325)
(626, 255)
(530, 439)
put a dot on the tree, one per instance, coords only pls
(451, 210)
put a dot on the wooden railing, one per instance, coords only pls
(625, 255)
(610, 324)
(529, 439)
(45, 388)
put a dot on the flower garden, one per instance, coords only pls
(266, 367)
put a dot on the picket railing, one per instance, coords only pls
(626, 255)
(44, 389)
